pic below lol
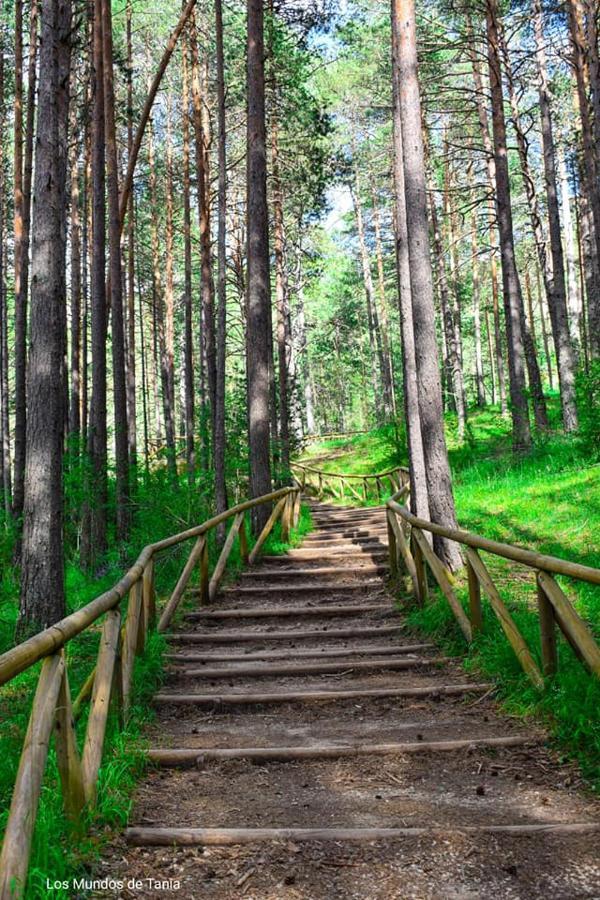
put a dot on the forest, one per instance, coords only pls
(239, 238)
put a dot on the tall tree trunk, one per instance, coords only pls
(258, 334)
(375, 355)
(454, 361)
(22, 193)
(4, 391)
(94, 536)
(281, 297)
(574, 297)
(439, 482)
(42, 580)
(482, 115)
(219, 438)
(160, 347)
(576, 17)
(416, 456)
(131, 343)
(116, 284)
(557, 298)
(476, 291)
(513, 301)
(388, 382)
(75, 366)
(206, 275)
(188, 353)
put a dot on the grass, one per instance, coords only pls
(59, 853)
(548, 500)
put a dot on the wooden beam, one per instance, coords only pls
(224, 555)
(571, 622)
(318, 668)
(226, 637)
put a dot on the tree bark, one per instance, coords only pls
(419, 500)
(94, 537)
(4, 389)
(220, 438)
(23, 156)
(513, 301)
(42, 580)
(116, 284)
(188, 352)
(439, 482)
(131, 342)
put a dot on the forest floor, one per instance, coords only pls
(547, 500)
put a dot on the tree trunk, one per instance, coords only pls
(375, 355)
(454, 361)
(388, 373)
(94, 538)
(482, 115)
(589, 166)
(439, 482)
(75, 366)
(418, 479)
(188, 352)
(513, 301)
(574, 297)
(219, 437)
(22, 194)
(476, 289)
(258, 334)
(116, 285)
(206, 276)
(42, 580)
(131, 342)
(5, 483)
(281, 298)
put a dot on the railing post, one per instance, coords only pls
(475, 612)
(243, 539)
(149, 597)
(392, 547)
(417, 553)
(297, 505)
(285, 519)
(204, 579)
(547, 631)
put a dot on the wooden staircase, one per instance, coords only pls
(312, 747)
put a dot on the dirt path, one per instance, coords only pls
(300, 702)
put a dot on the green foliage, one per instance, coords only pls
(588, 404)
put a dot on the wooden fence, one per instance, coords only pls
(349, 487)
(122, 637)
(412, 553)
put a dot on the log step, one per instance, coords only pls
(322, 652)
(308, 588)
(167, 837)
(336, 552)
(451, 690)
(338, 571)
(265, 612)
(234, 637)
(318, 668)
(190, 756)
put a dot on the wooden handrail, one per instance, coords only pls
(554, 607)
(111, 677)
(385, 474)
(24, 655)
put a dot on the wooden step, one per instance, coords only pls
(269, 612)
(341, 552)
(311, 587)
(226, 637)
(234, 699)
(192, 756)
(168, 837)
(339, 571)
(321, 652)
(318, 668)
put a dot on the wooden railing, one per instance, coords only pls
(412, 553)
(122, 637)
(342, 486)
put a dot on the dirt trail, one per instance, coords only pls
(475, 805)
